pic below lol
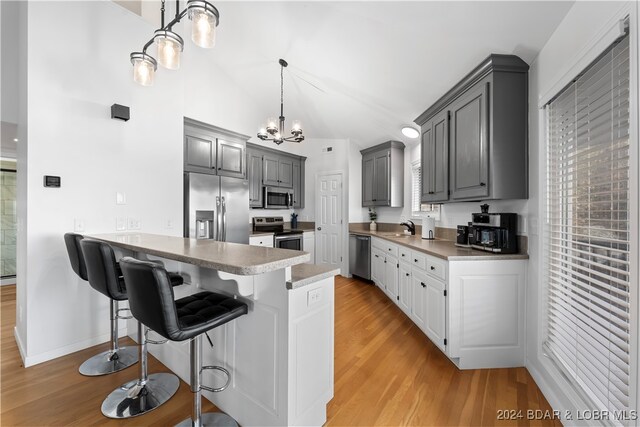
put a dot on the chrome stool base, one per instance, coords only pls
(211, 419)
(109, 362)
(132, 399)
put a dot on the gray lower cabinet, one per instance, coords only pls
(212, 150)
(474, 138)
(254, 175)
(435, 162)
(383, 175)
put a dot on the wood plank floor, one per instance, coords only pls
(386, 373)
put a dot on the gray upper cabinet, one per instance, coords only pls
(199, 152)
(474, 138)
(435, 162)
(254, 175)
(298, 184)
(277, 171)
(469, 144)
(285, 173)
(368, 161)
(230, 158)
(270, 170)
(212, 150)
(268, 167)
(383, 175)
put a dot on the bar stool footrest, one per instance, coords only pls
(219, 389)
(211, 419)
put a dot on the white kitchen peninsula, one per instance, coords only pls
(280, 354)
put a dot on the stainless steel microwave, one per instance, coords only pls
(278, 198)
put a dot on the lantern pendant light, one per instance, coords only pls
(205, 18)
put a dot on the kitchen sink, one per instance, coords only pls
(395, 235)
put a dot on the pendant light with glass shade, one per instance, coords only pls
(274, 130)
(205, 18)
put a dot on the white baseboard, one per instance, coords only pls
(63, 351)
(21, 348)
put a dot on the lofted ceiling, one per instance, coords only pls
(362, 70)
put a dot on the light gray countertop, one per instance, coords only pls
(234, 258)
(305, 274)
(444, 249)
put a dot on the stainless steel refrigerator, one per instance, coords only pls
(216, 208)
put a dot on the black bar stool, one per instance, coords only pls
(148, 391)
(151, 299)
(116, 358)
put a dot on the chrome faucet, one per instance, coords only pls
(411, 227)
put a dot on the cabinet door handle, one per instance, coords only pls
(482, 184)
(376, 256)
(432, 268)
(385, 261)
(415, 260)
(406, 274)
(423, 285)
(401, 254)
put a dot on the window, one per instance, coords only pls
(588, 311)
(418, 209)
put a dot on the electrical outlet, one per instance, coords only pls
(314, 296)
(121, 198)
(133, 224)
(121, 223)
(78, 225)
(169, 224)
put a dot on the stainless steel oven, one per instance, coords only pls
(288, 240)
(278, 198)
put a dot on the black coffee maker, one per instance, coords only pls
(494, 232)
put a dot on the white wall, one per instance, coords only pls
(578, 30)
(71, 86)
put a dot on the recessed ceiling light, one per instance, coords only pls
(410, 132)
(15, 139)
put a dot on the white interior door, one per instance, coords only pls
(329, 220)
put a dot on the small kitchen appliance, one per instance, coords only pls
(462, 236)
(278, 198)
(428, 228)
(494, 232)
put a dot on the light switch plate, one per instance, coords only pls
(121, 223)
(121, 198)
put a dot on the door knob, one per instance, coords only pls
(319, 228)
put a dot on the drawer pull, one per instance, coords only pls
(423, 285)
(407, 274)
(432, 268)
(415, 260)
(401, 254)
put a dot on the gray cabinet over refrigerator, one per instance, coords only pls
(214, 151)
(474, 138)
(383, 175)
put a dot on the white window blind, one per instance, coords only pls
(588, 318)
(416, 183)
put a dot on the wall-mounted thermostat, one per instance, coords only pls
(52, 181)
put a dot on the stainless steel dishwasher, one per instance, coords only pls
(360, 256)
